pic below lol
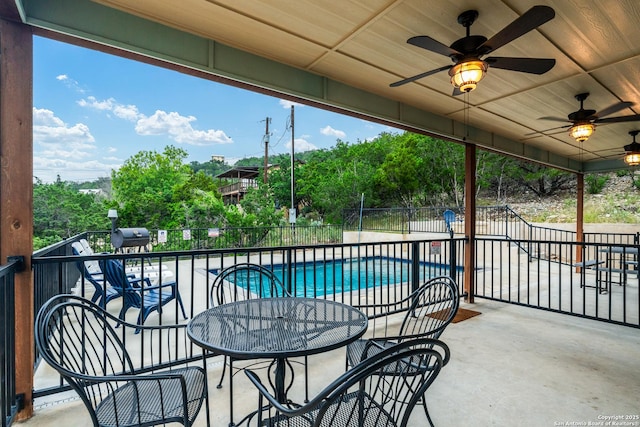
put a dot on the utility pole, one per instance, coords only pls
(266, 151)
(292, 211)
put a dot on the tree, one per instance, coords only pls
(61, 211)
(154, 189)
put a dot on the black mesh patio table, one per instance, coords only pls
(277, 328)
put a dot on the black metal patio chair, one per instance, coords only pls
(431, 308)
(244, 281)
(380, 391)
(79, 340)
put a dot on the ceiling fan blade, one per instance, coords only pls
(523, 65)
(530, 20)
(613, 109)
(555, 119)
(619, 119)
(432, 45)
(456, 91)
(419, 76)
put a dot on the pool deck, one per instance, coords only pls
(510, 366)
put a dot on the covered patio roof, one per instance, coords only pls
(241, 172)
(343, 56)
(338, 55)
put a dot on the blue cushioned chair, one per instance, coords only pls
(92, 273)
(140, 294)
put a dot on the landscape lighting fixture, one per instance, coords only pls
(632, 158)
(582, 131)
(113, 216)
(466, 75)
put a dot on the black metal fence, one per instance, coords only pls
(228, 237)
(349, 273)
(539, 273)
(603, 287)
(10, 403)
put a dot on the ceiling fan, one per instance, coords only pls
(466, 53)
(583, 122)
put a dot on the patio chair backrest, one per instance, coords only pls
(87, 247)
(116, 276)
(449, 217)
(77, 338)
(433, 307)
(380, 391)
(91, 266)
(245, 281)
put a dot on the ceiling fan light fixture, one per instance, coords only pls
(466, 75)
(632, 158)
(582, 131)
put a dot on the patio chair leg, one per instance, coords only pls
(306, 381)
(184, 314)
(426, 411)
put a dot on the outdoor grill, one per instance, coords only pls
(129, 237)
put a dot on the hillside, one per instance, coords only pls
(619, 202)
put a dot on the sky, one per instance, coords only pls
(92, 111)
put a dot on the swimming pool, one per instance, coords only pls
(315, 279)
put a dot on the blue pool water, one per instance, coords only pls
(313, 279)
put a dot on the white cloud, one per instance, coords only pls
(70, 83)
(47, 169)
(329, 131)
(287, 104)
(175, 126)
(179, 128)
(52, 131)
(127, 112)
(59, 147)
(301, 145)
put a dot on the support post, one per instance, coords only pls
(16, 189)
(580, 219)
(470, 221)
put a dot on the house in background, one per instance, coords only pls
(236, 182)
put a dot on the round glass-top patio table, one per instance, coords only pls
(277, 328)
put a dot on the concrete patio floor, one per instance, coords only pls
(510, 366)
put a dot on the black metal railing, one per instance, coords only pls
(349, 273)
(603, 287)
(51, 279)
(227, 237)
(9, 401)
(506, 271)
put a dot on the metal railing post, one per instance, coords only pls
(415, 266)
(452, 257)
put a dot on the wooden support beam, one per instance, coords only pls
(470, 221)
(16, 188)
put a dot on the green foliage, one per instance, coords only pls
(61, 211)
(153, 189)
(158, 191)
(595, 183)
(211, 168)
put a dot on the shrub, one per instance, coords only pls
(595, 183)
